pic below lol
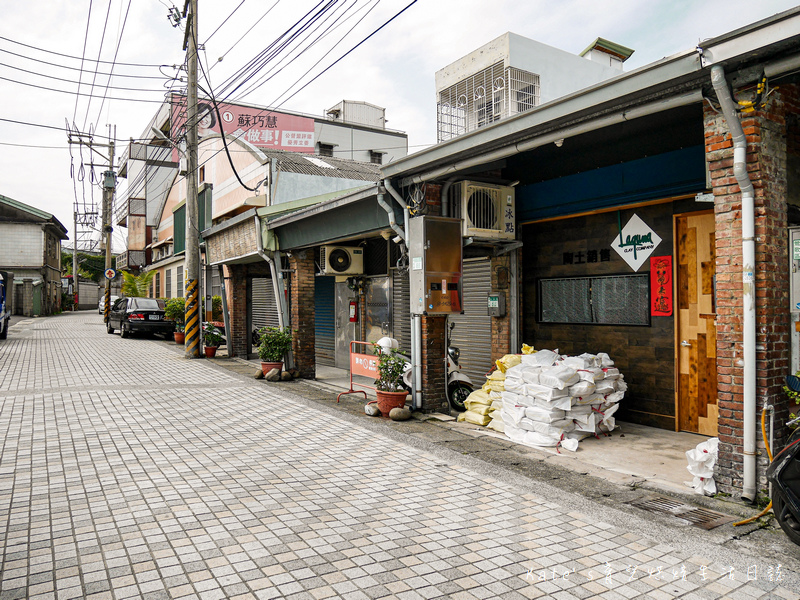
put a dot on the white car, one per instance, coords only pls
(101, 304)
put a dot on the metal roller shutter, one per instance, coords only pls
(324, 328)
(401, 311)
(263, 308)
(473, 330)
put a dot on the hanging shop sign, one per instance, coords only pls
(261, 127)
(661, 286)
(635, 242)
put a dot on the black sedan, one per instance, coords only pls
(138, 315)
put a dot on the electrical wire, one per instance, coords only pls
(94, 77)
(250, 30)
(52, 64)
(78, 57)
(41, 87)
(223, 22)
(52, 77)
(85, 40)
(116, 53)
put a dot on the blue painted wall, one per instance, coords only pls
(660, 176)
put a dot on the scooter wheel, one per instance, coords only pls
(786, 519)
(457, 393)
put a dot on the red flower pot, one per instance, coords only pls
(389, 400)
(179, 337)
(266, 367)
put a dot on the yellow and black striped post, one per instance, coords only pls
(107, 304)
(192, 345)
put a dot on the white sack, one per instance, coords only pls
(558, 377)
(701, 465)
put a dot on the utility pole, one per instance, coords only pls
(109, 185)
(75, 290)
(192, 316)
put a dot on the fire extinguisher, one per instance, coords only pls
(354, 311)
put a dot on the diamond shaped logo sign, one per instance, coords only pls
(636, 242)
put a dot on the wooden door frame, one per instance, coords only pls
(676, 307)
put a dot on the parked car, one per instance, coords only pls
(101, 304)
(5, 315)
(138, 315)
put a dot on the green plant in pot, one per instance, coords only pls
(274, 343)
(175, 310)
(212, 339)
(389, 385)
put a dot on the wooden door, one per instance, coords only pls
(696, 328)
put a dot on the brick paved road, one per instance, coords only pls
(128, 472)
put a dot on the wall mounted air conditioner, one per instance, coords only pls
(488, 210)
(341, 260)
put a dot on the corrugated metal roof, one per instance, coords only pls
(323, 166)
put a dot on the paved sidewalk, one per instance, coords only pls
(129, 472)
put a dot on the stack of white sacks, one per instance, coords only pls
(553, 400)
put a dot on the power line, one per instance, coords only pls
(52, 64)
(78, 57)
(53, 77)
(225, 21)
(41, 87)
(85, 39)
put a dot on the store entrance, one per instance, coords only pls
(697, 340)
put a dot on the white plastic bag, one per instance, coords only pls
(701, 465)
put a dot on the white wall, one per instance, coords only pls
(21, 245)
(354, 143)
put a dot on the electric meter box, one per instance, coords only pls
(435, 265)
(794, 269)
(496, 304)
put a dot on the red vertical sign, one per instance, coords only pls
(660, 286)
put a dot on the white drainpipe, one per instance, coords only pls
(748, 279)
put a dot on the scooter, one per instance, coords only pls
(459, 385)
(784, 475)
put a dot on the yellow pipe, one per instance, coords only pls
(769, 453)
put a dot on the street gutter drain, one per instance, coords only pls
(699, 517)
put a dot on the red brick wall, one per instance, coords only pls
(434, 398)
(766, 165)
(501, 326)
(238, 308)
(302, 316)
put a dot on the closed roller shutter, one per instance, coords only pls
(324, 328)
(263, 308)
(401, 312)
(473, 330)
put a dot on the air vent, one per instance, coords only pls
(488, 211)
(341, 260)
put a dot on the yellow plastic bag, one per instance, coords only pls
(480, 409)
(493, 385)
(474, 418)
(479, 397)
(528, 349)
(508, 361)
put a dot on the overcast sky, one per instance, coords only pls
(42, 42)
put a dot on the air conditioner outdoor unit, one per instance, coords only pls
(341, 260)
(488, 211)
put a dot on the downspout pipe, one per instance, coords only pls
(277, 284)
(393, 193)
(445, 191)
(390, 213)
(748, 279)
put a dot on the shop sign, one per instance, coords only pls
(261, 127)
(635, 242)
(661, 286)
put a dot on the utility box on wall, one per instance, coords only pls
(794, 295)
(435, 265)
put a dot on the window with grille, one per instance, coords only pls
(484, 98)
(168, 283)
(157, 279)
(607, 300)
(325, 149)
(375, 157)
(179, 282)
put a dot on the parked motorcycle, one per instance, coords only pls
(459, 385)
(784, 475)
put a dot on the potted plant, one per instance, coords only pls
(175, 310)
(389, 385)
(273, 344)
(212, 338)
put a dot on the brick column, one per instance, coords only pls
(238, 318)
(501, 326)
(303, 318)
(766, 134)
(434, 397)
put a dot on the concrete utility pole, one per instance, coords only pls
(192, 320)
(75, 291)
(109, 185)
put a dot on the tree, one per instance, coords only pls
(136, 286)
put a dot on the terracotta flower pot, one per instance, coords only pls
(179, 337)
(389, 400)
(211, 351)
(266, 367)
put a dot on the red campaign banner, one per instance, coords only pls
(661, 286)
(260, 127)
